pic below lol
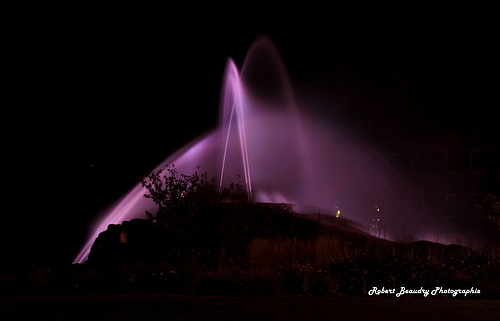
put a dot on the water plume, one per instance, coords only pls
(286, 155)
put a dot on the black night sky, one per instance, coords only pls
(97, 98)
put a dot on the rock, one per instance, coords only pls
(131, 242)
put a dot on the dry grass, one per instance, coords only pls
(272, 253)
(268, 253)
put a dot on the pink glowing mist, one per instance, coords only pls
(286, 155)
(259, 134)
(233, 106)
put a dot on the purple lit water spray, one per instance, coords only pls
(233, 101)
(286, 155)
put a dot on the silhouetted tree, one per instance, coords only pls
(179, 192)
(186, 207)
(179, 199)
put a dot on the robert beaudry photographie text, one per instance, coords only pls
(425, 292)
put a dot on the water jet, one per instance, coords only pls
(286, 155)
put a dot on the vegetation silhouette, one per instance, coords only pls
(200, 240)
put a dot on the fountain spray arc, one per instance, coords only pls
(209, 151)
(285, 156)
(233, 100)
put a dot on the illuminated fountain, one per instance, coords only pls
(257, 134)
(286, 155)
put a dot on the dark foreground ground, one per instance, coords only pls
(168, 307)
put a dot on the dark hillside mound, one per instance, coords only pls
(239, 249)
(222, 234)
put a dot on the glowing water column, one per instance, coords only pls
(233, 104)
